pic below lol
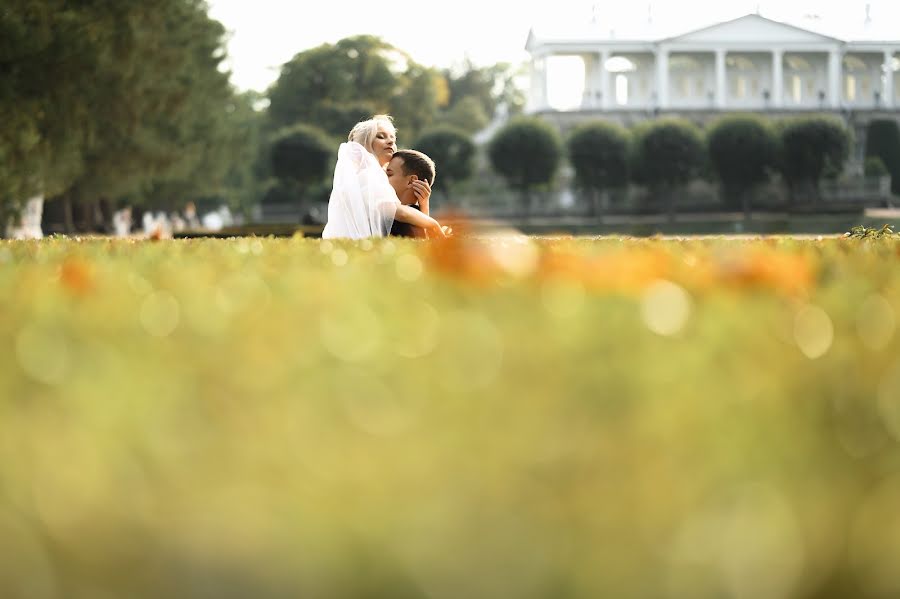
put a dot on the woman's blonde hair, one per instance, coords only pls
(364, 132)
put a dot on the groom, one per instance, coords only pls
(405, 167)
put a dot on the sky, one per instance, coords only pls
(264, 34)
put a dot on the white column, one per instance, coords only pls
(721, 80)
(545, 94)
(587, 97)
(777, 78)
(606, 100)
(888, 92)
(535, 99)
(834, 78)
(662, 78)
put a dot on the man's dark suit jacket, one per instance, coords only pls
(401, 229)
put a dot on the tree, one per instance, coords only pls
(334, 86)
(467, 115)
(162, 115)
(883, 141)
(598, 151)
(812, 146)
(743, 152)
(112, 99)
(527, 152)
(492, 87)
(302, 155)
(667, 154)
(50, 51)
(453, 152)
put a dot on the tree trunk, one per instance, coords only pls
(107, 212)
(745, 204)
(670, 204)
(68, 217)
(604, 204)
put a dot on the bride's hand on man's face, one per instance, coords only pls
(421, 189)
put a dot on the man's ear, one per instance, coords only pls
(411, 179)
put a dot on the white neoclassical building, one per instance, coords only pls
(750, 63)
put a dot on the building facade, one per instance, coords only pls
(748, 64)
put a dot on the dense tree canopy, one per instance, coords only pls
(105, 99)
(333, 86)
(336, 85)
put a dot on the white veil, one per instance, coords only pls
(362, 202)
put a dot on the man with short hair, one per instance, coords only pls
(405, 167)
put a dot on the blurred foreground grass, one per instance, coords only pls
(509, 417)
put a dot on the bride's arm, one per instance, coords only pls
(414, 217)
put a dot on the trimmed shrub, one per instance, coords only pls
(811, 147)
(667, 153)
(883, 141)
(598, 152)
(453, 152)
(526, 152)
(743, 152)
(874, 167)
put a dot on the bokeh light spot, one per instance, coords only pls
(416, 336)
(160, 314)
(813, 331)
(875, 322)
(409, 267)
(339, 257)
(352, 333)
(665, 307)
(139, 284)
(515, 254)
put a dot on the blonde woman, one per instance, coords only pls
(363, 203)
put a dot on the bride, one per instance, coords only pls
(362, 202)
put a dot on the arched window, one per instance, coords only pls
(565, 81)
(620, 64)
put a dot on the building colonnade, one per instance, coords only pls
(750, 76)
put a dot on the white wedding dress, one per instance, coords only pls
(362, 202)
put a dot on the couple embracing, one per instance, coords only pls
(380, 190)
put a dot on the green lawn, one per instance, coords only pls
(502, 418)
